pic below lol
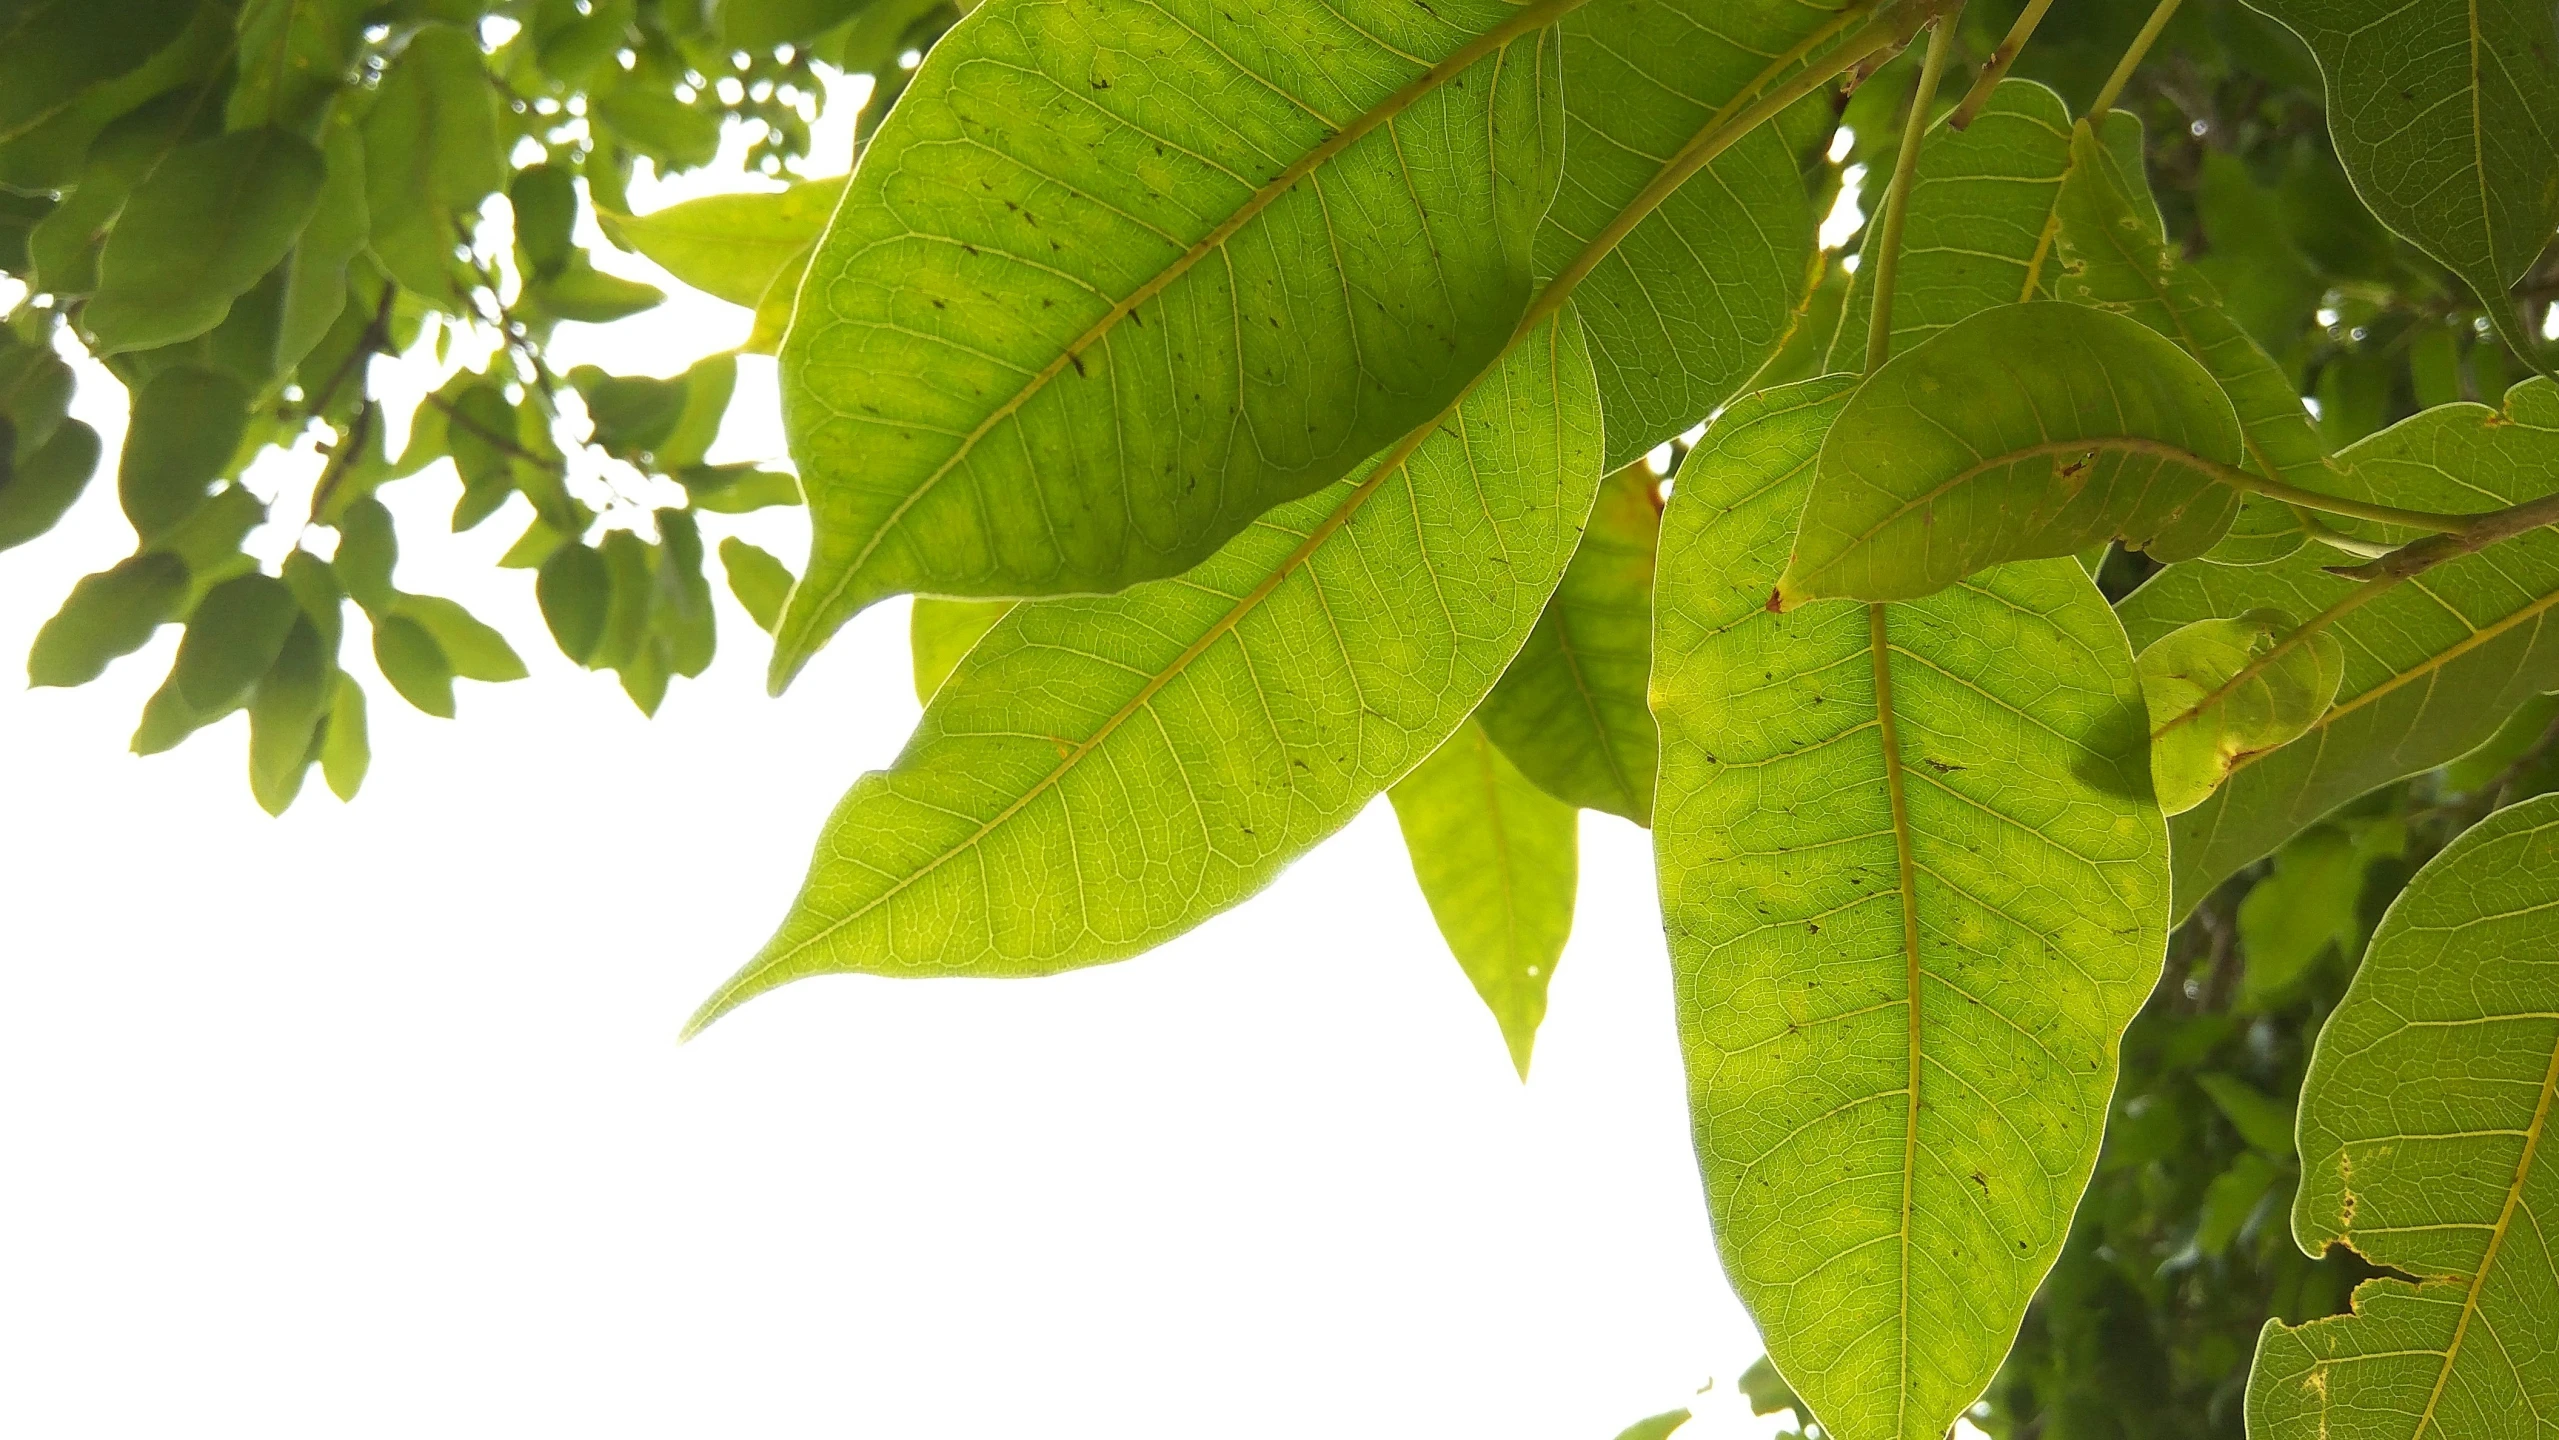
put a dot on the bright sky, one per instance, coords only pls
(370, 1121)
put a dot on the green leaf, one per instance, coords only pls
(631, 564)
(685, 620)
(66, 244)
(939, 632)
(186, 428)
(315, 587)
(737, 489)
(109, 614)
(1103, 773)
(2022, 433)
(472, 649)
(38, 488)
(53, 50)
(345, 750)
(316, 273)
(1906, 937)
(2432, 667)
(431, 154)
(2219, 692)
(759, 581)
(2260, 1118)
(732, 246)
(368, 548)
(545, 201)
(1655, 1427)
(414, 664)
(231, 639)
(632, 413)
(295, 55)
(764, 24)
(575, 589)
(1571, 711)
(2232, 1199)
(206, 225)
(1979, 230)
(707, 387)
(284, 718)
(1768, 1393)
(1699, 293)
(2113, 258)
(590, 296)
(651, 119)
(1075, 324)
(2447, 118)
(47, 154)
(1496, 859)
(2422, 1148)
(2310, 901)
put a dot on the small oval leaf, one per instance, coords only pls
(2221, 691)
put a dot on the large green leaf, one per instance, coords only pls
(1699, 293)
(1979, 231)
(2113, 257)
(2021, 433)
(941, 631)
(207, 224)
(732, 246)
(430, 156)
(2423, 1147)
(1906, 937)
(186, 430)
(1496, 858)
(1101, 774)
(1091, 304)
(52, 50)
(2447, 118)
(294, 57)
(2433, 665)
(1571, 710)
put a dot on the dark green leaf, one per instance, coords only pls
(2261, 1119)
(737, 489)
(187, 426)
(210, 222)
(545, 201)
(316, 273)
(683, 613)
(295, 55)
(764, 24)
(52, 50)
(631, 562)
(108, 614)
(632, 413)
(368, 548)
(36, 489)
(584, 293)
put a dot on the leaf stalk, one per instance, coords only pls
(2133, 56)
(1914, 134)
(1996, 68)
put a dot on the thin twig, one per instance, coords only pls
(2133, 56)
(1996, 69)
(1879, 327)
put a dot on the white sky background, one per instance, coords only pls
(370, 1121)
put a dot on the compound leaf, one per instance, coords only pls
(1495, 857)
(1113, 279)
(2422, 1137)
(1100, 774)
(1915, 887)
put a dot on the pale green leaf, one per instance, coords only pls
(1906, 937)
(1101, 774)
(2218, 692)
(2433, 666)
(187, 425)
(939, 632)
(284, 718)
(2447, 118)
(590, 296)
(2020, 433)
(2423, 1148)
(1496, 858)
(345, 748)
(207, 224)
(39, 487)
(759, 581)
(414, 664)
(1655, 1427)
(107, 615)
(1088, 308)
(475, 651)
(294, 57)
(430, 156)
(1698, 294)
(1571, 710)
(575, 590)
(233, 636)
(316, 273)
(732, 246)
(2311, 900)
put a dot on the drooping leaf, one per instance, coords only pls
(345, 748)
(284, 718)
(414, 664)
(737, 489)
(474, 651)
(2423, 1148)
(685, 618)
(233, 636)
(1497, 859)
(1570, 712)
(316, 273)
(1088, 308)
(939, 632)
(107, 615)
(187, 424)
(2026, 432)
(206, 225)
(2113, 257)
(1906, 936)
(38, 488)
(759, 581)
(1699, 293)
(1979, 232)
(1655, 1427)
(732, 246)
(575, 589)
(2218, 693)
(430, 156)
(47, 151)
(2432, 666)
(590, 296)
(368, 550)
(1101, 774)
(2447, 118)
(545, 201)
(66, 244)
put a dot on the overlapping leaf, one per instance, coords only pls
(1906, 936)
(2218, 692)
(1497, 859)
(2433, 665)
(2447, 118)
(1571, 710)
(1114, 279)
(2423, 1133)
(1101, 774)
(2025, 432)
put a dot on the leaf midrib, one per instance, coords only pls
(1533, 17)
(1880, 646)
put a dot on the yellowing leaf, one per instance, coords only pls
(2220, 692)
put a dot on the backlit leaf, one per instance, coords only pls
(2217, 695)
(109, 614)
(294, 57)
(231, 639)
(1101, 774)
(939, 632)
(575, 589)
(284, 718)
(475, 651)
(1089, 306)
(2423, 1147)
(732, 246)
(1571, 711)
(187, 424)
(414, 664)
(1655, 1427)
(209, 223)
(316, 273)
(759, 581)
(430, 156)
(37, 488)
(1496, 858)
(2021, 433)
(1906, 937)
(52, 50)
(345, 748)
